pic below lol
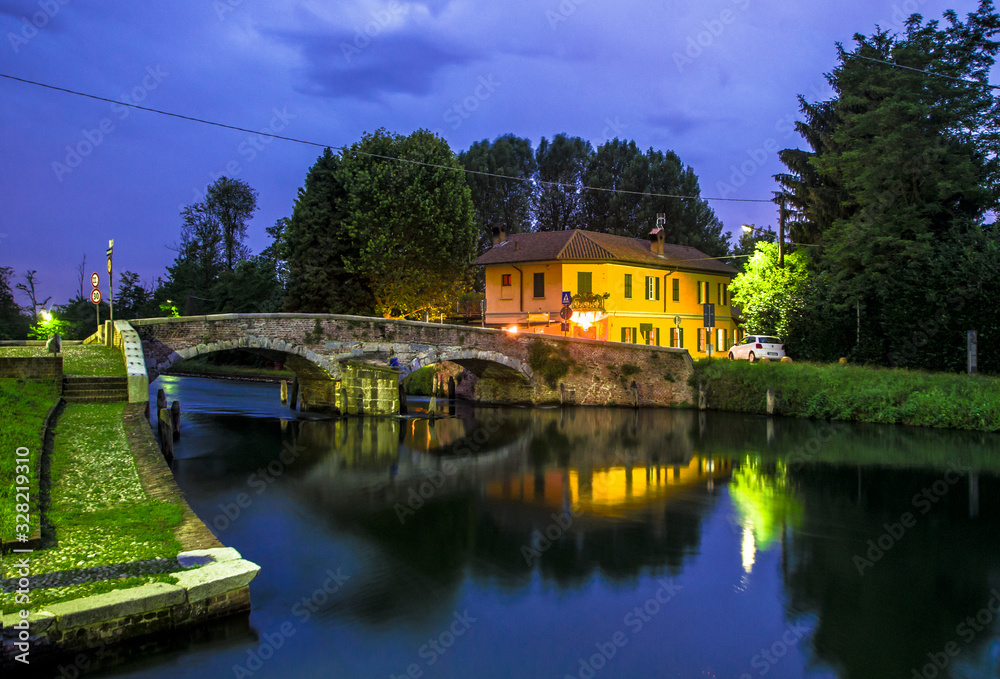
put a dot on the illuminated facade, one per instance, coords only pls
(635, 290)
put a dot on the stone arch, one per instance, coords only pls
(488, 364)
(303, 362)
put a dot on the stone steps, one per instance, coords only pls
(95, 389)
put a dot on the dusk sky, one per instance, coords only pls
(714, 81)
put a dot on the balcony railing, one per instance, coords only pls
(591, 302)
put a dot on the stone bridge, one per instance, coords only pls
(328, 353)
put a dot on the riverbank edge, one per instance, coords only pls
(849, 393)
(218, 588)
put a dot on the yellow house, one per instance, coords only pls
(622, 289)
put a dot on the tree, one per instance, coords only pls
(134, 300)
(620, 167)
(562, 164)
(500, 201)
(746, 246)
(217, 226)
(411, 224)
(28, 288)
(315, 244)
(771, 298)
(13, 323)
(895, 191)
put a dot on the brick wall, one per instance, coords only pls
(32, 367)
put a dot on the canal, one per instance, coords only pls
(589, 542)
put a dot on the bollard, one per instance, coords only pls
(293, 397)
(166, 434)
(432, 406)
(175, 419)
(770, 400)
(161, 400)
(284, 392)
(402, 399)
(451, 387)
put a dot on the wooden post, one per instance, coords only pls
(702, 396)
(770, 400)
(284, 392)
(161, 400)
(402, 399)
(293, 398)
(451, 387)
(175, 419)
(166, 434)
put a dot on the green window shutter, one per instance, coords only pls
(701, 295)
(628, 286)
(682, 338)
(624, 334)
(539, 285)
(583, 283)
(676, 282)
(657, 287)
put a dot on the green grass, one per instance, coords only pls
(24, 406)
(85, 360)
(99, 511)
(854, 393)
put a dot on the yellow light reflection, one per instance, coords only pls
(749, 548)
(512, 329)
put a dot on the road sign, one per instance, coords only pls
(709, 315)
(109, 266)
(565, 313)
(95, 280)
(567, 298)
(95, 296)
(564, 327)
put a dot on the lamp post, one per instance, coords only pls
(781, 234)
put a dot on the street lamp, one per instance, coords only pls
(781, 235)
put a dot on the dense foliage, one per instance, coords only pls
(895, 196)
(374, 236)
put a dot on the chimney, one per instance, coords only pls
(499, 234)
(656, 236)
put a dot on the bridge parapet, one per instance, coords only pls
(523, 368)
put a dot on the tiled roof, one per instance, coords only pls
(586, 245)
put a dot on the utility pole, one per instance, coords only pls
(782, 216)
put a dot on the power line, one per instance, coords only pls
(925, 72)
(371, 155)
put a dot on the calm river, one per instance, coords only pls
(589, 542)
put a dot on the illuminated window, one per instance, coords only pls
(505, 279)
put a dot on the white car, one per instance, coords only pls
(755, 347)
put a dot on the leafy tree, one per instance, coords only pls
(771, 298)
(133, 300)
(562, 164)
(217, 226)
(746, 246)
(411, 224)
(13, 323)
(496, 200)
(619, 166)
(902, 173)
(252, 287)
(315, 244)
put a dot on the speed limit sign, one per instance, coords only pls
(95, 280)
(95, 296)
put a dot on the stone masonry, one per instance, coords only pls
(319, 346)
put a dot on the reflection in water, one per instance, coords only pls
(551, 524)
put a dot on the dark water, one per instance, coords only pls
(591, 542)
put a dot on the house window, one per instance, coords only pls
(628, 286)
(676, 282)
(539, 285)
(649, 287)
(628, 334)
(702, 339)
(677, 338)
(646, 332)
(723, 294)
(505, 279)
(583, 283)
(721, 339)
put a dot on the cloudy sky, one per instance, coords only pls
(714, 80)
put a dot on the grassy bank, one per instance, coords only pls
(24, 406)
(94, 360)
(99, 513)
(204, 367)
(853, 393)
